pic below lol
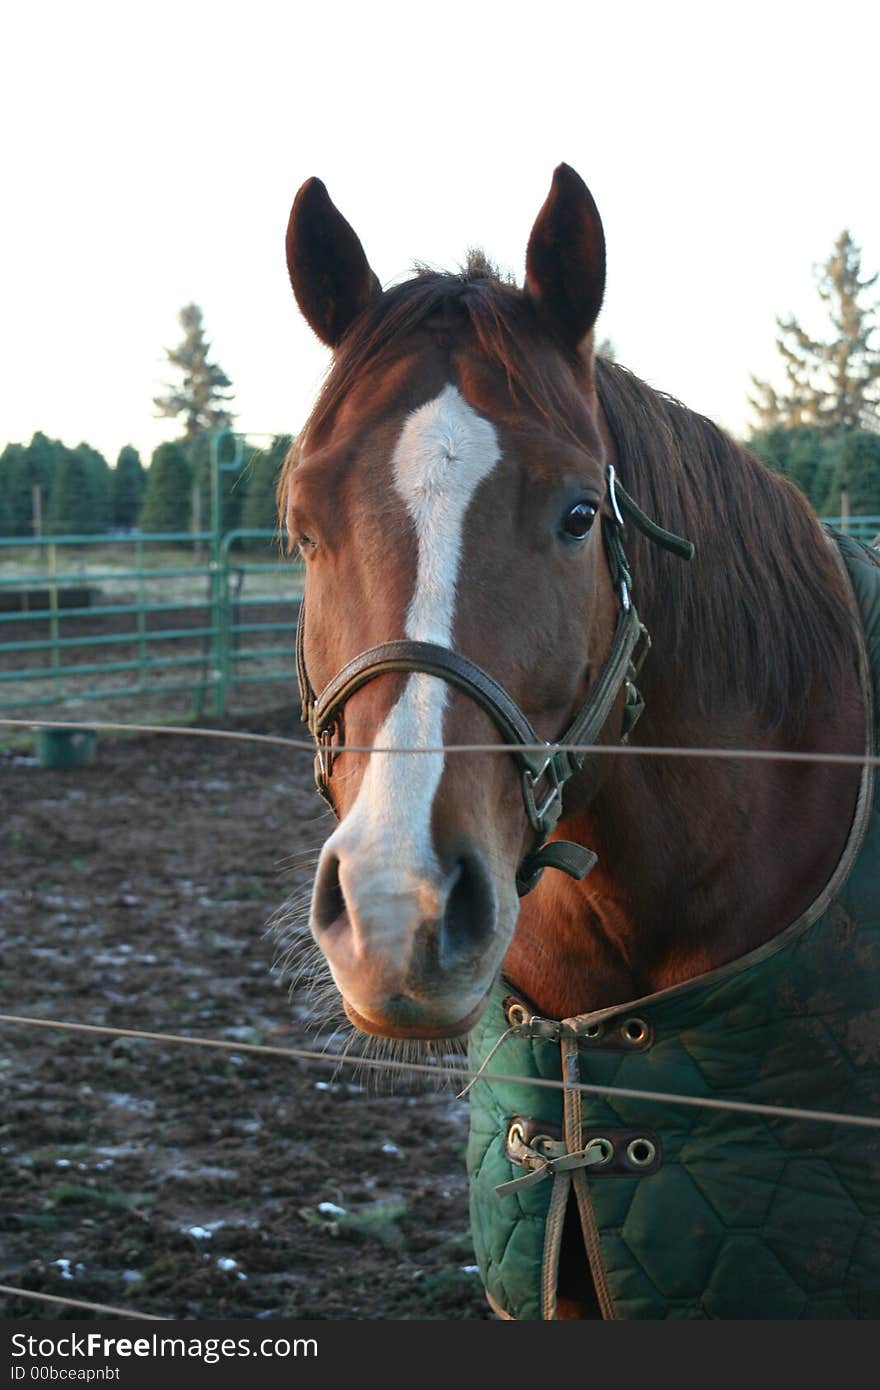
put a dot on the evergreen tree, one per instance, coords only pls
(82, 487)
(72, 507)
(99, 484)
(22, 468)
(855, 470)
(260, 511)
(799, 454)
(127, 487)
(167, 499)
(233, 481)
(203, 395)
(833, 385)
(5, 507)
(43, 458)
(16, 497)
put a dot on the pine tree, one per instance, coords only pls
(167, 499)
(73, 484)
(203, 395)
(15, 491)
(99, 484)
(855, 472)
(22, 469)
(14, 512)
(127, 488)
(5, 504)
(72, 504)
(43, 458)
(260, 511)
(798, 454)
(833, 385)
(233, 481)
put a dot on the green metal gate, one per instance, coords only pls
(95, 617)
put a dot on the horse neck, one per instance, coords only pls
(700, 860)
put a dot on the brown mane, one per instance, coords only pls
(762, 609)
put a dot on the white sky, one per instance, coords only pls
(150, 155)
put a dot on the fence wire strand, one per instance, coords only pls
(625, 750)
(80, 1303)
(293, 1054)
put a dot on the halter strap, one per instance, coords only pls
(324, 713)
(434, 660)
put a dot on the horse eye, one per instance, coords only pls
(303, 543)
(578, 520)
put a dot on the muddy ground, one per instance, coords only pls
(135, 892)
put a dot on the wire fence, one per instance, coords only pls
(620, 750)
(437, 1072)
(187, 614)
(453, 1072)
(56, 1300)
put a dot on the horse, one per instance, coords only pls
(514, 546)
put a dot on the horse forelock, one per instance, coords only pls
(477, 305)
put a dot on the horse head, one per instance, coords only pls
(445, 495)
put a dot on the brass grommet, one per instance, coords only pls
(516, 1134)
(594, 1030)
(517, 1014)
(634, 1030)
(641, 1152)
(605, 1147)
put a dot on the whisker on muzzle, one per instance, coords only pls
(300, 964)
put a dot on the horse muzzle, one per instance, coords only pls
(413, 955)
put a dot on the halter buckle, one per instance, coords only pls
(640, 651)
(543, 817)
(325, 754)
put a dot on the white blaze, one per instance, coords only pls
(444, 452)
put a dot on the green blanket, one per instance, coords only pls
(738, 1216)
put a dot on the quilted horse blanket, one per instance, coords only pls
(699, 1212)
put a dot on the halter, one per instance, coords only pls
(551, 765)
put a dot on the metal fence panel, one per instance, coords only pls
(78, 610)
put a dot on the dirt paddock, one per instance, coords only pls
(136, 893)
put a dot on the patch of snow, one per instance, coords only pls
(120, 1101)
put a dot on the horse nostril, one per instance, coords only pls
(469, 919)
(328, 899)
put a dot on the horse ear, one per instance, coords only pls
(565, 261)
(328, 270)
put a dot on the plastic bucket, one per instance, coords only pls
(64, 747)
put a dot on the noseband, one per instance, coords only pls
(539, 762)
